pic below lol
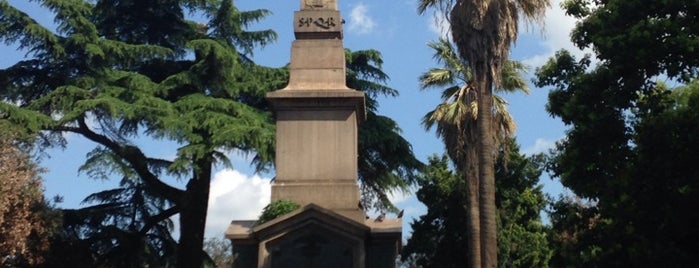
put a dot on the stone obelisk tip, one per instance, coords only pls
(319, 5)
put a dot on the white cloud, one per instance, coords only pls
(360, 22)
(556, 35)
(540, 146)
(235, 196)
(397, 196)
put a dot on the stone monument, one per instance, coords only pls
(316, 163)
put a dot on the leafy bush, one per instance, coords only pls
(276, 209)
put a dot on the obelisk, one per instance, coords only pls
(316, 163)
(317, 117)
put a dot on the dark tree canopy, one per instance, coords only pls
(640, 39)
(439, 236)
(626, 153)
(112, 81)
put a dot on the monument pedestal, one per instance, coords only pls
(316, 148)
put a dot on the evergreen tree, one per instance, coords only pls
(625, 156)
(439, 237)
(111, 91)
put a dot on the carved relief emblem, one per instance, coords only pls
(313, 4)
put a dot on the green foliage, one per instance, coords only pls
(522, 238)
(117, 71)
(626, 157)
(439, 238)
(600, 134)
(575, 233)
(658, 37)
(633, 162)
(123, 227)
(275, 209)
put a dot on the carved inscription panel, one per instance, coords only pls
(318, 4)
(317, 21)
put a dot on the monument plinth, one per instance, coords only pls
(316, 162)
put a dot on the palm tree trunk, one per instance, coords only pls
(473, 210)
(486, 170)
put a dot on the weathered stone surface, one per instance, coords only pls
(316, 160)
(317, 65)
(318, 4)
(318, 24)
(316, 163)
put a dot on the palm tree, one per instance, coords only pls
(483, 31)
(455, 119)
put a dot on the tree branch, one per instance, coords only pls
(153, 220)
(137, 160)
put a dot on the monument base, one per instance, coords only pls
(313, 236)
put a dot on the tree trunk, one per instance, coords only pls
(473, 227)
(193, 217)
(486, 169)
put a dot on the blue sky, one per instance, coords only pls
(392, 27)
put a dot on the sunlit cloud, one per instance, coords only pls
(235, 196)
(540, 146)
(359, 20)
(556, 36)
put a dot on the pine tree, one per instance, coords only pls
(111, 89)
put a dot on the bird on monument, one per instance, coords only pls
(400, 214)
(381, 217)
(360, 206)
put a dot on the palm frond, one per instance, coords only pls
(436, 77)
(513, 77)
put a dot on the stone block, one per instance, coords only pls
(333, 196)
(316, 145)
(318, 24)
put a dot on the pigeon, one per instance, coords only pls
(380, 217)
(400, 214)
(360, 206)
